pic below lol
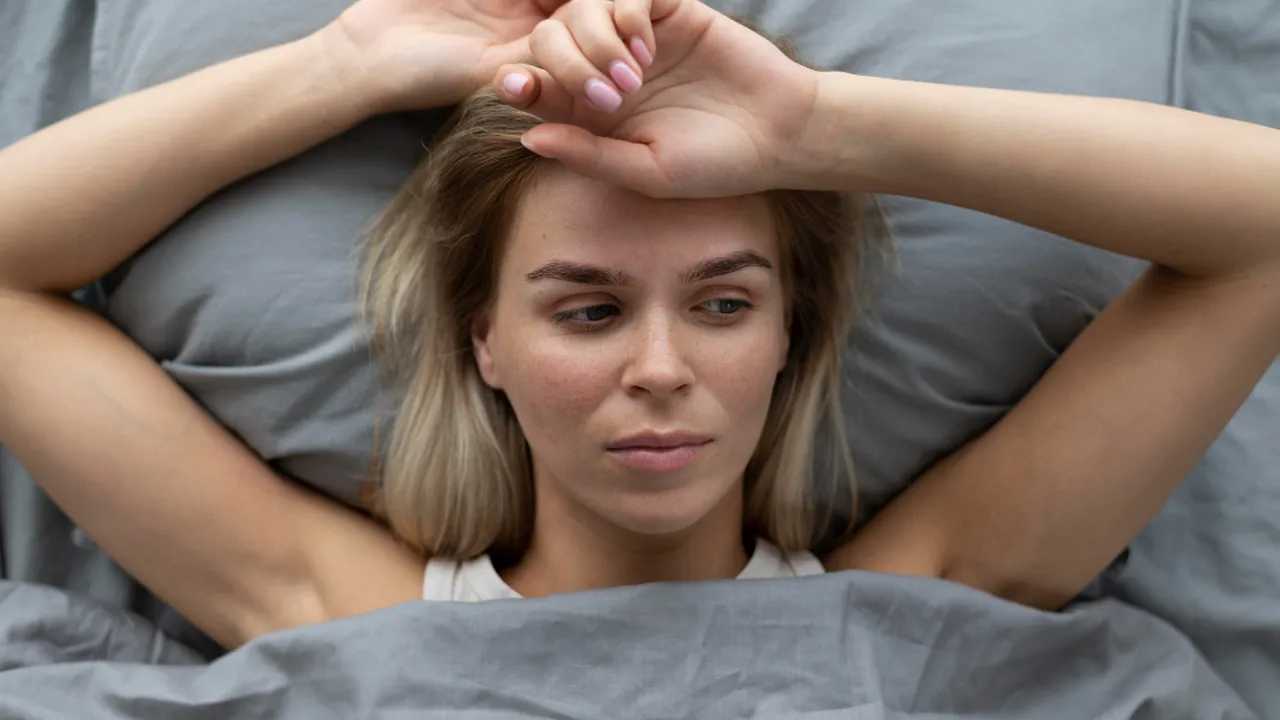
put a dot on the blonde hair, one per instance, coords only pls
(457, 476)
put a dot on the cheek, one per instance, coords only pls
(742, 373)
(554, 387)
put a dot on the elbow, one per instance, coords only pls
(1029, 590)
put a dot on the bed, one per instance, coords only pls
(248, 303)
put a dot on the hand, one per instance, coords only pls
(418, 54)
(713, 115)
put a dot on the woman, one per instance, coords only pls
(546, 323)
(1031, 510)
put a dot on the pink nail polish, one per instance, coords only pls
(624, 76)
(641, 52)
(514, 83)
(602, 96)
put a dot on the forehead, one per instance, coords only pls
(566, 215)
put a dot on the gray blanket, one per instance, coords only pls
(837, 646)
(1188, 627)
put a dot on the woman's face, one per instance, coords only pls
(618, 315)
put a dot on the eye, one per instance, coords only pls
(726, 308)
(590, 316)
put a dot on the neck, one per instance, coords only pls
(574, 549)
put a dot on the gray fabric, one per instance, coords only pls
(248, 303)
(46, 51)
(837, 646)
(42, 626)
(1209, 563)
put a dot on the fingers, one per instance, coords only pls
(589, 60)
(593, 26)
(533, 89)
(635, 25)
(591, 55)
(597, 49)
(618, 162)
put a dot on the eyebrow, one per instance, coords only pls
(594, 275)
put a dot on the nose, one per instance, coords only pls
(657, 365)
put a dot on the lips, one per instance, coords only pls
(660, 460)
(659, 441)
(658, 451)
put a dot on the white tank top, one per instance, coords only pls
(476, 580)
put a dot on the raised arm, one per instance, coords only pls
(1039, 504)
(1192, 192)
(82, 195)
(169, 493)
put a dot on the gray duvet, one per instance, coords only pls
(837, 646)
(1186, 626)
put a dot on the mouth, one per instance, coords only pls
(656, 440)
(658, 459)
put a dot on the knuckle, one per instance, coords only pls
(543, 38)
(545, 27)
(628, 23)
(629, 15)
(595, 159)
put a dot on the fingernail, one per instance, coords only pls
(624, 76)
(514, 83)
(641, 51)
(603, 96)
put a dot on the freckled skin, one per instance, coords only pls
(661, 358)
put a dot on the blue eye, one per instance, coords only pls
(586, 315)
(734, 304)
(596, 315)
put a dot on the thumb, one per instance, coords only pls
(618, 162)
(531, 88)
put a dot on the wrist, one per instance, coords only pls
(345, 68)
(844, 144)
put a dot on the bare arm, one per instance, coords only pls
(168, 493)
(1192, 192)
(81, 196)
(1040, 503)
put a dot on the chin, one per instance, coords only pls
(669, 523)
(660, 514)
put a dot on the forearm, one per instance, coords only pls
(81, 196)
(1193, 192)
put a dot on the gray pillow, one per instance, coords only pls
(248, 301)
